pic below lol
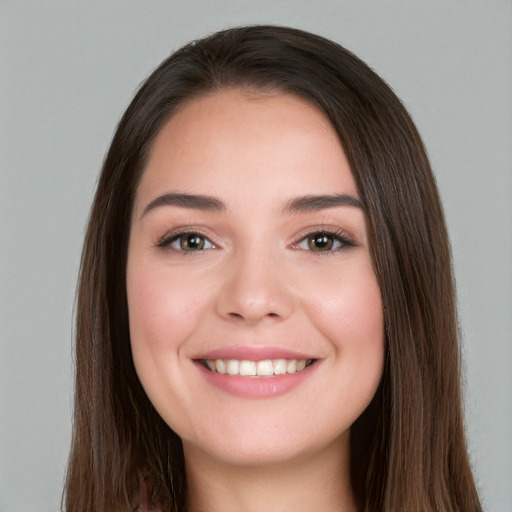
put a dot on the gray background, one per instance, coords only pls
(68, 70)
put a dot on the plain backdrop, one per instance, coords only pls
(67, 72)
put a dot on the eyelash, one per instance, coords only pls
(175, 236)
(339, 236)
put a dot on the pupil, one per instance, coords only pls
(193, 242)
(321, 242)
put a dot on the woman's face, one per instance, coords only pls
(249, 253)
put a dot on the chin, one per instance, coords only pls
(265, 443)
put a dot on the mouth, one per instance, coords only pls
(263, 368)
(256, 372)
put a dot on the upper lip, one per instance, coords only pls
(254, 353)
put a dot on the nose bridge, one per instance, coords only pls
(255, 286)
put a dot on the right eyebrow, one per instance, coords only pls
(313, 203)
(192, 201)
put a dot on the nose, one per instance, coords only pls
(255, 289)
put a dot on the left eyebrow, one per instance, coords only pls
(192, 201)
(320, 202)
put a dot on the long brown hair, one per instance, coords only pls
(408, 448)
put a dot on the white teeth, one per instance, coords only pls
(220, 365)
(280, 367)
(232, 367)
(291, 366)
(265, 368)
(247, 368)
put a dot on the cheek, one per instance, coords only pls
(161, 312)
(349, 302)
(348, 312)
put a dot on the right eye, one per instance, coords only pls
(187, 242)
(326, 242)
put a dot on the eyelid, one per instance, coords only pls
(337, 233)
(173, 234)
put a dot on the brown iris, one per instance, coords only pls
(320, 242)
(191, 242)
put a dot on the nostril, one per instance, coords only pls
(233, 314)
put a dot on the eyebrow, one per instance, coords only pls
(301, 204)
(320, 202)
(192, 201)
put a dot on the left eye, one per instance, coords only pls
(190, 242)
(323, 241)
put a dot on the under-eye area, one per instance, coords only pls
(265, 368)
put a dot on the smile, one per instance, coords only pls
(265, 368)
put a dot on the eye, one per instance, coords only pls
(187, 242)
(324, 241)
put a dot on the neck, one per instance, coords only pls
(309, 482)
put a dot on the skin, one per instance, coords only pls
(258, 281)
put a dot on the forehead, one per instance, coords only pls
(246, 143)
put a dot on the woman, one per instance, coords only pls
(266, 315)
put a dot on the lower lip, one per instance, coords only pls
(257, 387)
